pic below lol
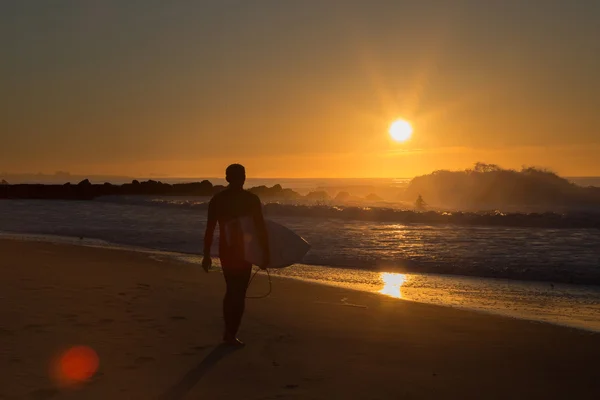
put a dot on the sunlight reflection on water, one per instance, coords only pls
(571, 305)
(392, 283)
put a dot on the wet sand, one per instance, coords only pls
(155, 325)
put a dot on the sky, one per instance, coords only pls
(298, 88)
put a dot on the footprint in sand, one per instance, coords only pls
(199, 348)
(144, 360)
(33, 326)
(314, 379)
(37, 328)
(143, 319)
(186, 353)
(6, 332)
(283, 338)
(43, 393)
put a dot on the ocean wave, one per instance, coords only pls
(522, 253)
(574, 219)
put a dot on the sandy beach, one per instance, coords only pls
(155, 325)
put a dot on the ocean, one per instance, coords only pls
(543, 274)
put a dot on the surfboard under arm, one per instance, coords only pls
(285, 247)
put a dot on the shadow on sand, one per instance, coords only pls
(191, 379)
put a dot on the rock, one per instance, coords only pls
(342, 196)
(275, 191)
(204, 188)
(85, 190)
(289, 194)
(206, 184)
(373, 197)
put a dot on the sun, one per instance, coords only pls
(401, 130)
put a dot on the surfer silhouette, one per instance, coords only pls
(226, 208)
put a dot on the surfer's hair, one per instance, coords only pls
(235, 173)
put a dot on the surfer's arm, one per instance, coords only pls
(211, 224)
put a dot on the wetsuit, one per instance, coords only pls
(226, 208)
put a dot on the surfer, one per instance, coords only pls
(226, 207)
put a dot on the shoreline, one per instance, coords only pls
(155, 325)
(505, 307)
(101, 243)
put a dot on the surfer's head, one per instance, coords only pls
(235, 174)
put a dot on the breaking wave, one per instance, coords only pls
(584, 219)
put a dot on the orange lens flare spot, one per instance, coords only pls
(76, 365)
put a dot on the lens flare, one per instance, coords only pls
(75, 365)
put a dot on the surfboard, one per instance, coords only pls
(286, 247)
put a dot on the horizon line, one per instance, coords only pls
(150, 177)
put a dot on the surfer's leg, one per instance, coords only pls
(228, 299)
(237, 277)
(241, 287)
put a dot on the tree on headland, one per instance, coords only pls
(483, 167)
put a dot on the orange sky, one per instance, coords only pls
(298, 89)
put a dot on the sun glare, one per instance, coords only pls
(401, 130)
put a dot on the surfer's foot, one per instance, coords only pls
(232, 341)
